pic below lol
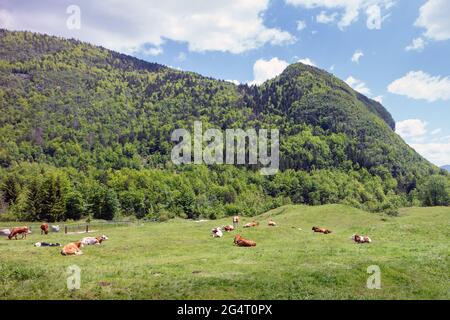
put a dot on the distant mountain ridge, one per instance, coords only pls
(446, 167)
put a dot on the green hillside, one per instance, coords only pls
(85, 131)
(179, 259)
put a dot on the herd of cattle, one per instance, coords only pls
(241, 242)
(73, 248)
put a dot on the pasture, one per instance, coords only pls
(179, 259)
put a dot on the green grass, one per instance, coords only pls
(179, 259)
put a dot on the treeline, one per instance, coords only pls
(45, 193)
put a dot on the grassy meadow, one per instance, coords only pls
(179, 259)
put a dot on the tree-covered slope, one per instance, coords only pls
(70, 105)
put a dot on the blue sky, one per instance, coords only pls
(400, 48)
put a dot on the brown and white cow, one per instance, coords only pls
(321, 230)
(19, 230)
(72, 249)
(44, 228)
(241, 242)
(93, 240)
(361, 239)
(217, 232)
(228, 228)
(272, 223)
(251, 224)
(235, 221)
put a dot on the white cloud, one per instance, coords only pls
(436, 131)
(323, 17)
(222, 25)
(434, 17)
(236, 82)
(437, 153)
(6, 20)
(301, 24)
(417, 45)
(267, 69)
(307, 61)
(411, 128)
(378, 99)
(181, 57)
(350, 10)
(152, 51)
(420, 85)
(357, 55)
(358, 85)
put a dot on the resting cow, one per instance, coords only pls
(272, 223)
(72, 249)
(44, 228)
(321, 230)
(93, 240)
(217, 232)
(241, 242)
(5, 232)
(251, 224)
(46, 244)
(19, 230)
(228, 228)
(361, 239)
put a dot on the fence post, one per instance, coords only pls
(65, 229)
(87, 228)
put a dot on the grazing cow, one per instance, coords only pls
(5, 232)
(44, 228)
(235, 221)
(46, 244)
(217, 232)
(72, 249)
(361, 239)
(272, 223)
(228, 228)
(93, 240)
(241, 242)
(55, 228)
(19, 230)
(251, 224)
(321, 230)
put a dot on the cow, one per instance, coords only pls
(321, 230)
(361, 239)
(19, 230)
(272, 223)
(44, 228)
(241, 242)
(5, 232)
(72, 249)
(217, 232)
(46, 244)
(235, 221)
(93, 240)
(228, 228)
(251, 224)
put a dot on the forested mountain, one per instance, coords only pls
(85, 131)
